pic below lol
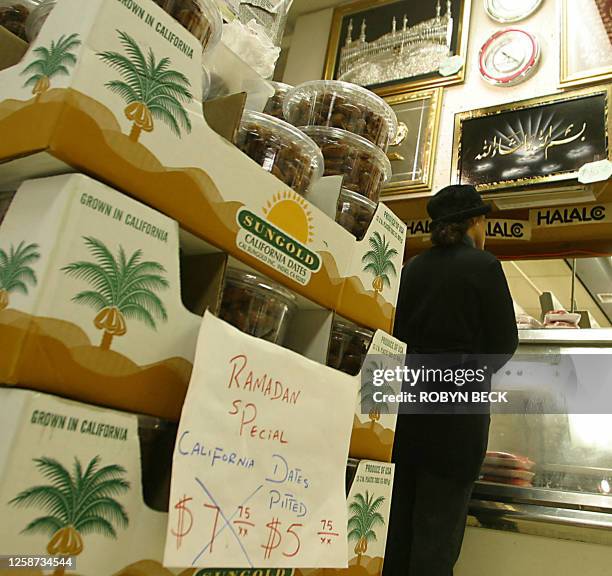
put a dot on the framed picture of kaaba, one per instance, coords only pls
(393, 46)
(412, 152)
(586, 41)
(546, 139)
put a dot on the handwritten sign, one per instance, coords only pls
(259, 463)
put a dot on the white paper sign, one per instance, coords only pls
(595, 172)
(451, 65)
(259, 463)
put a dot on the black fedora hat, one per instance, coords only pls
(456, 203)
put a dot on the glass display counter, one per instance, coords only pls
(558, 479)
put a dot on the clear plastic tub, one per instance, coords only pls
(365, 167)
(342, 105)
(257, 306)
(201, 17)
(14, 15)
(348, 346)
(280, 149)
(157, 438)
(355, 213)
(274, 106)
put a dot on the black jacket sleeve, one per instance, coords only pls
(501, 335)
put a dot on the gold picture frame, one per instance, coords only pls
(400, 86)
(413, 155)
(522, 146)
(579, 76)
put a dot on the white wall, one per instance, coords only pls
(308, 47)
(309, 44)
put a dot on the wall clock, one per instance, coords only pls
(509, 57)
(511, 10)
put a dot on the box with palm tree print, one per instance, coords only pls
(90, 301)
(369, 506)
(375, 420)
(116, 93)
(73, 482)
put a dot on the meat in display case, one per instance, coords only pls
(550, 474)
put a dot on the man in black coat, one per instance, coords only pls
(454, 299)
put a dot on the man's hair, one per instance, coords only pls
(449, 233)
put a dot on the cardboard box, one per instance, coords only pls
(310, 334)
(12, 48)
(96, 120)
(48, 440)
(90, 300)
(117, 523)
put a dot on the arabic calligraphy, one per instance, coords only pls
(530, 145)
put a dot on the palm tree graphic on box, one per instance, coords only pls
(151, 89)
(78, 503)
(16, 271)
(123, 288)
(379, 261)
(364, 518)
(52, 61)
(366, 393)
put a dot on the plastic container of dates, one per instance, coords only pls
(274, 106)
(342, 105)
(257, 305)
(348, 346)
(365, 167)
(281, 149)
(201, 17)
(14, 15)
(355, 213)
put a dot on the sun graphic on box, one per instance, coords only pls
(290, 212)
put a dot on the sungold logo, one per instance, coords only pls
(246, 572)
(270, 234)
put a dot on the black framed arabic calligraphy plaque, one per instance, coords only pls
(532, 142)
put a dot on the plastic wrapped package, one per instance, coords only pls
(355, 213)
(257, 305)
(251, 44)
(270, 14)
(342, 105)
(365, 167)
(561, 319)
(348, 346)
(280, 149)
